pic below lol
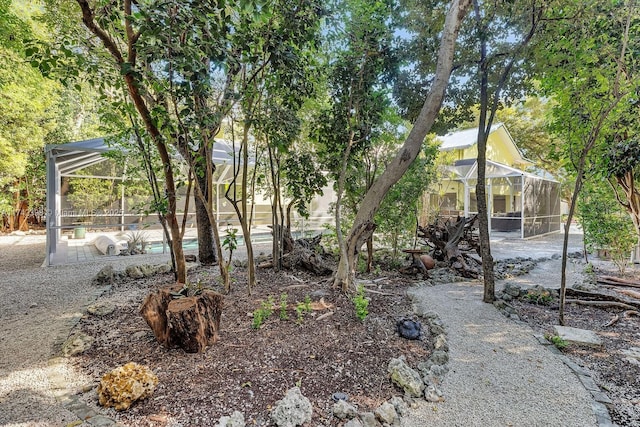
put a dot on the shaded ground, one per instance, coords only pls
(324, 351)
(614, 373)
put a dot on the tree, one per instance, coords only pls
(588, 62)
(622, 168)
(492, 69)
(605, 223)
(348, 125)
(34, 111)
(399, 210)
(363, 225)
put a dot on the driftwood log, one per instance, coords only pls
(188, 322)
(450, 239)
(306, 254)
(601, 299)
(617, 281)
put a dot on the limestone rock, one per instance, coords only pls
(293, 410)
(433, 394)
(386, 413)
(105, 276)
(235, 420)
(354, 423)
(512, 290)
(344, 410)
(578, 336)
(369, 420)
(125, 385)
(101, 308)
(400, 405)
(77, 343)
(134, 272)
(405, 377)
(439, 357)
(441, 343)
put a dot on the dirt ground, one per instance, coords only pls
(324, 351)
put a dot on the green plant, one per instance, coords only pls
(230, 242)
(263, 313)
(283, 307)
(556, 341)
(361, 303)
(539, 297)
(136, 242)
(606, 226)
(303, 307)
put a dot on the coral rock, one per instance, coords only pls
(125, 385)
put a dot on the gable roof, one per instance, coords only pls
(467, 138)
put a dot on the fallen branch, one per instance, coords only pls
(629, 293)
(377, 292)
(626, 314)
(602, 304)
(617, 281)
(612, 321)
(598, 296)
(325, 316)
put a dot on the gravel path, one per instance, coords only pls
(499, 374)
(37, 310)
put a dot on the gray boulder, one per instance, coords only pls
(105, 276)
(386, 413)
(134, 271)
(399, 404)
(439, 357)
(235, 420)
(405, 377)
(369, 419)
(344, 410)
(354, 423)
(293, 410)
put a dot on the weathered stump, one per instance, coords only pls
(191, 323)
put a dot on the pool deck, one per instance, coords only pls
(73, 251)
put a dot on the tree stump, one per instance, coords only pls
(191, 323)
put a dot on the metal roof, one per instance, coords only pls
(462, 139)
(74, 156)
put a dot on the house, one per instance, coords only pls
(521, 202)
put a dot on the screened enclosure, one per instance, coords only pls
(96, 187)
(518, 202)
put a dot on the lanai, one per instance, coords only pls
(65, 160)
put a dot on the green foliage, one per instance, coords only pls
(398, 214)
(361, 303)
(605, 224)
(303, 307)
(539, 297)
(556, 341)
(230, 241)
(263, 313)
(283, 307)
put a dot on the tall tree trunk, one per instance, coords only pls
(481, 196)
(363, 225)
(134, 90)
(206, 242)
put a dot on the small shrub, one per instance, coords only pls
(556, 341)
(302, 308)
(538, 297)
(283, 307)
(263, 313)
(361, 303)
